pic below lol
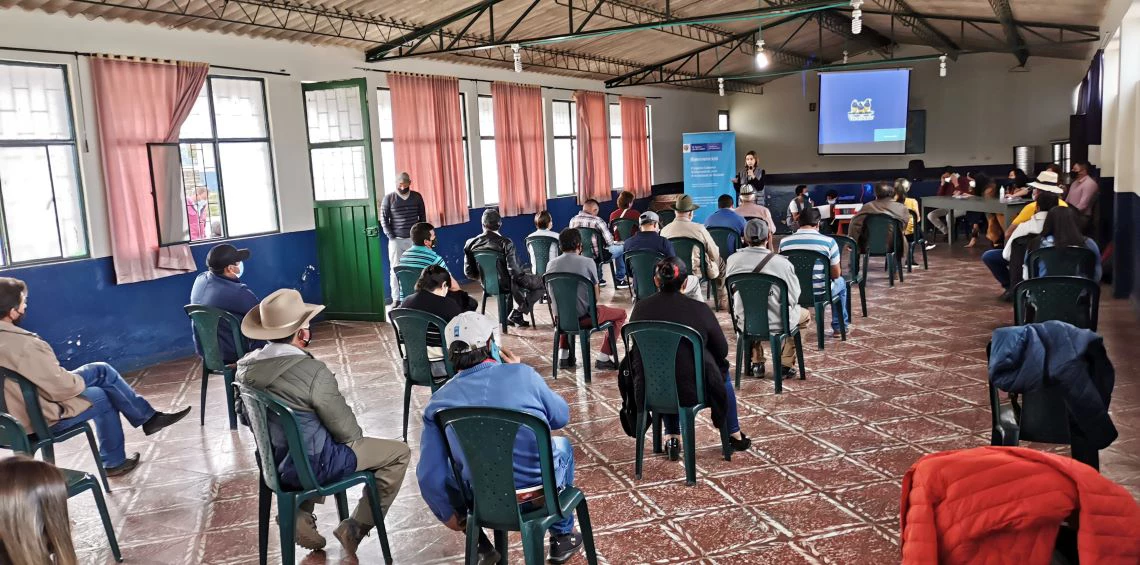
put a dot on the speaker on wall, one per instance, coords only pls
(916, 132)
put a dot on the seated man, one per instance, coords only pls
(999, 260)
(422, 255)
(684, 226)
(284, 370)
(831, 224)
(431, 297)
(221, 287)
(94, 391)
(808, 238)
(526, 288)
(884, 203)
(542, 224)
(572, 261)
(798, 204)
(588, 218)
(492, 377)
(756, 258)
(749, 208)
(624, 211)
(950, 184)
(725, 217)
(1046, 181)
(648, 239)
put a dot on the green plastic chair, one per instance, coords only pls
(727, 241)
(590, 234)
(1075, 300)
(755, 291)
(260, 408)
(486, 438)
(541, 247)
(563, 290)
(407, 277)
(854, 275)
(43, 438)
(1070, 260)
(684, 246)
(804, 262)
(882, 230)
(919, 243)
(624, 227)
(15, 437)
(667, 216)
(659, 343)
(639, 266)
(488, 262)
(412, 327)
(206, 320)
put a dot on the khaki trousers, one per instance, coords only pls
(788, 351)
(388, 460)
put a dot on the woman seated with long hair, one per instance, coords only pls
(1061, 230)
(34, 527)
(671, 305)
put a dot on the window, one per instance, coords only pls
(616, 158)
(41, 202)
(217, 181)
(487, 149)
(565, 147)
(1061, 154)
(722, 120)
(388, 145)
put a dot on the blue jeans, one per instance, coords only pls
(673, 426)
(616, 251)
(998, 266)
(839, 288)
(110, 396)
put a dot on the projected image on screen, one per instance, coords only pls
(863, 112)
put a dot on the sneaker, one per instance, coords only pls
(673, 449)
(125, 467)
(929, 245)
(567, 363)
(305, 533)
(564, 546)
(789, 373)
(605, 365)
(518, 319)
(350, 533)
(622, 284)
(741, 444)
(162, 419)
(758, 371)
(602, 282)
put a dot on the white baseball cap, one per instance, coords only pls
(471, 328)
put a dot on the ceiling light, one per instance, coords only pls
(856, 17)
(761, 56)
(517, 56)
(720, 85)
(942, 66)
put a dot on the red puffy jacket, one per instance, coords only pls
(1005, 505)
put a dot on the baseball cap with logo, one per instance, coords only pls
(471, 328)
(649, 218)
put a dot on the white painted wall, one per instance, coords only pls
(974, 116)
(674, 113)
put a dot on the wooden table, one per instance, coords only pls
(973, 204)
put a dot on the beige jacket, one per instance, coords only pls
(24, 352)
(689, 228)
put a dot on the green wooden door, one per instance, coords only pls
(344, 199)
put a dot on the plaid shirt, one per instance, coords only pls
(584, 220)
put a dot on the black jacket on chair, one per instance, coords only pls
(491, 241)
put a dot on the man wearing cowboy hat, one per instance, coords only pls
(286, 371)
(1046, 197)
(1046, 181)
(491, 377)
(684, 226)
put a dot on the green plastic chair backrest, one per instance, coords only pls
(261, 408)
(1070, 260)
(206, 320)
(488, 262)
(486, 438)
(413, 327)
(756, 291)
(658, 344)
(407, 277)
(684, 246)
(804, 262)
(641, 265)
(884, 235)
(625, 228)
(723, 237)
(1075, 300)
(852, 248)
(540, 247)
(563, 290)
(667, 216)
(31, 403)
(598, 241)
(13, 435)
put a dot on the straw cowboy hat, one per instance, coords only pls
(280, 315)
(1047, 181)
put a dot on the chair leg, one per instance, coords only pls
(107, 526)
(776, 344)
(554, 356)
(925, 265)
(94, 453)
(800, 355)
(725, 446)
(715, 289)
(587, 530)
(378, 517)
(658, 446)
(286, 524)
(863, 296)
(264, 502)
(818, 324)
(205, 384)
(341, 505)
(585, 354)
(472, 554)
(610, 333)
(483, 310)
(898, 266)
(850, 306)
(503, 312)
(740, 345)
(689, 444)
(534, 544)
(501, 545)
(842, 324)
(639, 444)
(228, 379)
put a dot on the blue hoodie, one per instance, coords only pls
(512, 386)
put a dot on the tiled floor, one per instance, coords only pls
(821, 484)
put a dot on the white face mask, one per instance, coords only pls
(240, 269)
(831, 200)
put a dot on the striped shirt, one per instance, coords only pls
(812, 240)
(398, 215)
(420, 257)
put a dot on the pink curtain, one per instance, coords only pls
(634, 147)
(428, 134)
(520, 146)
(140, 102)
(593, 147)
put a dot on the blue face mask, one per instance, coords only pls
(495, 352)
(241, 269)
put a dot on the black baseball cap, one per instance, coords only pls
(224, 255)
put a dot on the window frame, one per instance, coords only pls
(80, 188)
(648, 141)
(216, 142)
(482, 138)
(1061, 153)
(727, 120)
(571, 106)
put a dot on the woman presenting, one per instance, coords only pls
(751, 175)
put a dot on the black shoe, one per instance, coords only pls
(673, 449)
(622, 284)
(564, 546)
(758, 371)
(162, 419)
(518, 319)
(568, 363)
(124, 467)
(605, 365)
(602, 282)
(789, 373)
(741, 444)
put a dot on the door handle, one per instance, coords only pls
(372, 231)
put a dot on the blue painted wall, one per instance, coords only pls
(77, 307)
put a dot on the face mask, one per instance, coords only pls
(973, 184)
(495, 352)
(19, 319)
(1075, 173)
(240, 269)
(831, 200)
(404, 189)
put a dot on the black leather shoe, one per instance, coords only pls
(518, 319)
(741, 444)
(673, 449)
(125, 467)
(564, 546)
(162, 419)
(605, 365)
(789, 373)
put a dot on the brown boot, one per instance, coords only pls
(305, 532)
(350, 533)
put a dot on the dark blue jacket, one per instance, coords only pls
(229, 295)
(1057, 354)
(649, 240)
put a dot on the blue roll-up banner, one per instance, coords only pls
(710, 163)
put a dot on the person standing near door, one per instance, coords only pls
(400, 211)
